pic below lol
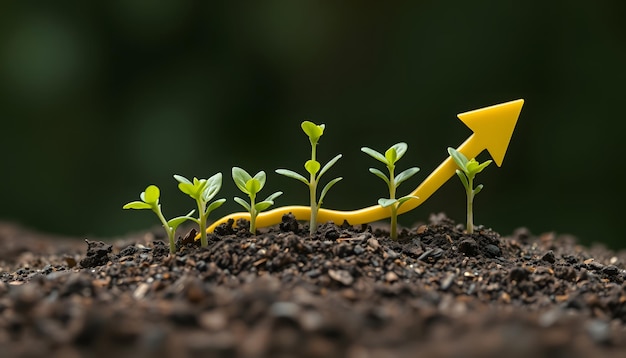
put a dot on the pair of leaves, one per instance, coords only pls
(313, 167)
(248, 184)
(260, 206)
(468, 169)
(150, 200)
(391, 156)
(251, 186)
(313, 131)
(200, 189)
(399, 178)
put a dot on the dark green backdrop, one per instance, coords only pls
(100, 98)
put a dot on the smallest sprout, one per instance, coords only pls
(150, 200)
(202, 191)
(251, 186)
(467, 172)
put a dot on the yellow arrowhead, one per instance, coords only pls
(492, 126)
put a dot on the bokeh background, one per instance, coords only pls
(100, 98)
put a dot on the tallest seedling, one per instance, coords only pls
(312, 166)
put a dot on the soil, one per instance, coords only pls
(347, 292)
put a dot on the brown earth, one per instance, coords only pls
(347, 292)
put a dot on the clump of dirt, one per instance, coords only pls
(344, 292)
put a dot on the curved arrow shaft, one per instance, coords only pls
(471, 148)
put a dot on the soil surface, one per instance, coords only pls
(347, 292)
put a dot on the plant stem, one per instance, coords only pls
(168, 229)
(313, 220)
(313, 195)
(470, 202)
(394, 207)
(394, 222)
(202, 224)
(253, 215)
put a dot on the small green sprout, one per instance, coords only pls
(251, 186)
(467, 172)
(391, 156)
(312, 166)
(202, 191)
(150, 200)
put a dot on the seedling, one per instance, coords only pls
(251, 186)
(312, 166)
(467, 172)
(202, 191)
(150, 200)
(391, 156)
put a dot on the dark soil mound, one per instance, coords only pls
(347, 292)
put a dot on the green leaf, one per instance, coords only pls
(459, 158)
(312, 166)
(463, 178)
(241, 177)
(187, 188)
(483, 165)
(138, 205)
(374, 154)
(263, 205)
(329, 164)
(243, 203)
(267, 202)
(379, 174)
(400, 149)
(175, 222)
(386, 202)
(151, 195)
(406, 175)
(274, 196)
(391, 155)
(212, 187)
(478, 189)
(326, 189)
(214, 205)
(253, 186)
(404, 199)
(261, 177)
(292, 174)
(181, 179)
(474, 167)
(313, 131)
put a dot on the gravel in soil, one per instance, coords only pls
(346, 292)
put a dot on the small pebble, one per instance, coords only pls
(391, 276)
(492, 251)
(469, 247)
(599, 331)
(341, 276)
(549, 257)
(373, 243)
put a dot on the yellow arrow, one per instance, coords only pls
(492, 127)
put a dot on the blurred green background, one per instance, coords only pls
(98, 99)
